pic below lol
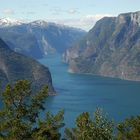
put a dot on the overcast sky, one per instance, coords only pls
(77, 13)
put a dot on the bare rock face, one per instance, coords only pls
(14, 66)
(111, 48)
(135, 18)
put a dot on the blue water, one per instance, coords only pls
(79, 93)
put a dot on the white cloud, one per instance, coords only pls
(98, 16)
(58, 11)
(8, 12)
(72, 11)
(86, 22)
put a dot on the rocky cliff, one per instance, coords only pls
(111, 48)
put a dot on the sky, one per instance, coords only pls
(77, 13)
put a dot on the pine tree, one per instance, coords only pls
(87, 128)
(129, 129)
(19, 116)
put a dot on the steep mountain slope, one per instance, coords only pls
(14, 66)
(24, 43)
(111, 48)
(38, 38)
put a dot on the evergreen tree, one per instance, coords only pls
(98, 128)
(129, 129)
(19, 116)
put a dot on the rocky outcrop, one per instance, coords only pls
(111, 48)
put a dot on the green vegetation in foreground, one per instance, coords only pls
(98, 128)
(19, 119)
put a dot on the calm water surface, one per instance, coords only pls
(79, 93)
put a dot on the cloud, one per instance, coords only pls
(58, 11)
(8, 12)
(72, 11)
(85, 22)
(98, 16)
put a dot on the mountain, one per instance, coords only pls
(37, 39)
(111, 48)
(4, 22)
(23, 43)
(14, 66)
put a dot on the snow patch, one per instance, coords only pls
(4, 22)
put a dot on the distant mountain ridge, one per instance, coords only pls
(4, 22)
(111, 48)
(14, 66)
(38, 38)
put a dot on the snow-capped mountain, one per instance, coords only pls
(4, 22)
(39, 23)
(38, 38)
(44, 23)
(9, 22)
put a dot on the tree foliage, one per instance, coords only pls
(48, 129)
(19, 117)
(96, 128)
(129, 129)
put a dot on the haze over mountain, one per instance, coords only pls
(111, 48)
(14, 66)
(37, 39)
